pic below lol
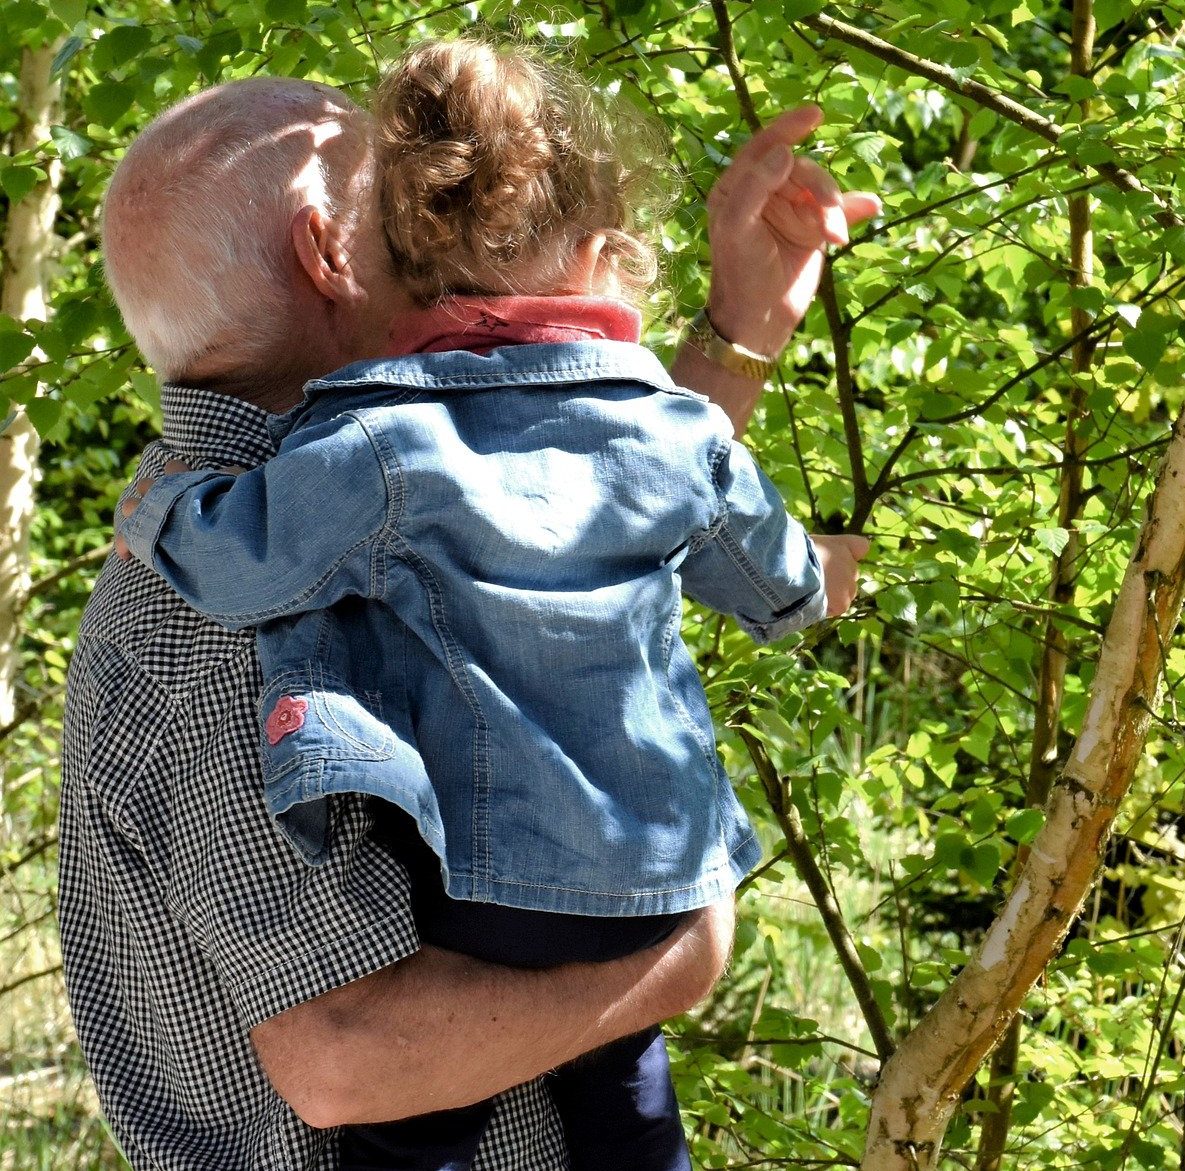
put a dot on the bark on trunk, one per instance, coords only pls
(28, 244)
(921, 1085)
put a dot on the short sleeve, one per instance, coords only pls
(316, 928)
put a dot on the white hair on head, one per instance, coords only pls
(197, 216)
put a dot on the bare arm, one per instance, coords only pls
(402, 1041)
(770, 216)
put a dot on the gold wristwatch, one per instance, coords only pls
(702, 334)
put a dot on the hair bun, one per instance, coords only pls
(490, 162)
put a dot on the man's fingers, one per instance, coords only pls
(787, 129)
(859, 546)
(741, 194)
(795, 221)
(121, 549)
(762, 165)
(859, 206)
(824, 190)
(175, 467)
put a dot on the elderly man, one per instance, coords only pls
(235, 1005)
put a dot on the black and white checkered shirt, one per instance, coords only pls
(186, 919)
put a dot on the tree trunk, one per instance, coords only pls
(920, 1087)
(1051, 677)
(28, 243)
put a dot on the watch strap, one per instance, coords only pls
(704, 336)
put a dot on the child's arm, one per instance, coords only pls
(839, 557)
(298, 533)
(756, 563)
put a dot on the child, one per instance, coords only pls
(465, 568)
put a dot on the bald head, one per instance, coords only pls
(197, 220)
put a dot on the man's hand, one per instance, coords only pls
(770, 217)
(839, 558)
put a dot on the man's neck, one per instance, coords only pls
(272, 394)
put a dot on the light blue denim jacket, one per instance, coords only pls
(465, 572)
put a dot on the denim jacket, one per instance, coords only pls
(465, 572)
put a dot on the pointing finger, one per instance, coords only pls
(787, 129)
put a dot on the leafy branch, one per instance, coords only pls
(990, 99)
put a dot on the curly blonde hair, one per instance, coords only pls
(494, 164)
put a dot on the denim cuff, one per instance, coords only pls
(143, 528)
(802, 614)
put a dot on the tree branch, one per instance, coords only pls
(21, 981)
(729, 53)
(845, 388)
(979, 93)
(1055, 654)
(920, 1086)
(44, 584)
(34, 851)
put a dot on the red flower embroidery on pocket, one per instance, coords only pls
(287, 716)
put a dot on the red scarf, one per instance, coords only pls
(481, 324)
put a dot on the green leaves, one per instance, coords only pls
(122, 45)
(70, 144)
(19, 178)
(16, 344)
(903, 737)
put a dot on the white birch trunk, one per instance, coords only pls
(920, 1086)
(28, 244)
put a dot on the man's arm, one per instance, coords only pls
(439, 1030)
(770, 217)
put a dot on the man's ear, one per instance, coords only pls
(322, 253)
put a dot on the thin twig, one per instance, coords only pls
(729, 53)
(753, 1042)
(24, 713)
(34, 851)
(45, 584)
(845, 388)
(23, 980)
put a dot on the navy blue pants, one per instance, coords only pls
(616, 1104)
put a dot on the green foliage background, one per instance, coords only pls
(905, 730)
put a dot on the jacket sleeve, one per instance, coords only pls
(298, 533)
(755, 562)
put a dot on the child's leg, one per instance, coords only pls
(446, 1140)
(618, 1107)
